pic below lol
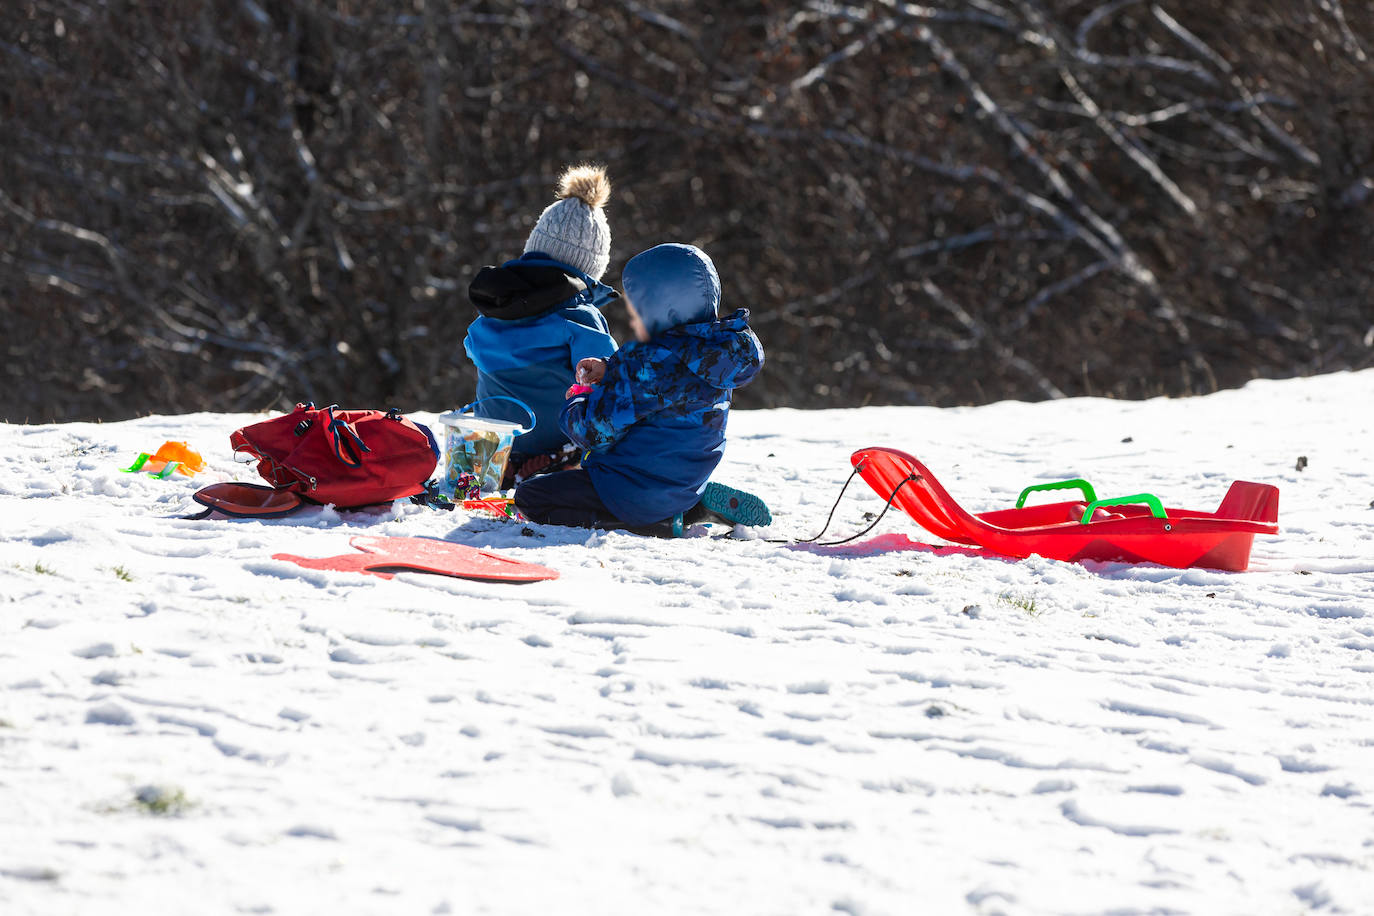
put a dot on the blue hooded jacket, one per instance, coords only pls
(655, 425)
(539, 317)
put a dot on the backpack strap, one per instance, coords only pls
(348, 446)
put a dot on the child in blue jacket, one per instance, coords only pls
(653, 422)
(540, 315)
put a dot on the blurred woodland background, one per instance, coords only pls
(235, 205)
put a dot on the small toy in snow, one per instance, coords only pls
(502, 506)
(170, 458)
(467, 487)
(384, 556)
(1128, 529)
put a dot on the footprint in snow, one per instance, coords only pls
(109, 714)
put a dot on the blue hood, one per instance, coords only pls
(671, 285)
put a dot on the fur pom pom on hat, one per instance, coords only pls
(573, 229)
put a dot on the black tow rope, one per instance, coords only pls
(815, 539)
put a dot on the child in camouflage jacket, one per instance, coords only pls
(652, 416)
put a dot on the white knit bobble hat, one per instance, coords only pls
(573, 229)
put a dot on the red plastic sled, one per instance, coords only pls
(1136, 529)
(384, 555)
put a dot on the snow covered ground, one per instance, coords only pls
(701, 725)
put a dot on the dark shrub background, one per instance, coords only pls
(237, 204)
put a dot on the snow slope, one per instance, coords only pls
(701, 725)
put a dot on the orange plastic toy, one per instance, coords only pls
(170, 458)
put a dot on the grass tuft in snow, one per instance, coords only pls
(1025, 603)
(161, 801)
(123, 574)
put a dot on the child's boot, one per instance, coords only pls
(729, 505)
(719, 504)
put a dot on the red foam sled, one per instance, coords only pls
(1132, 529)
(383, 556)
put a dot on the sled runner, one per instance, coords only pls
(1129, 529)
(383, 556)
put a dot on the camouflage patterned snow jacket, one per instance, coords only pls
(655, 426)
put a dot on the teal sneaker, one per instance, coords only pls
(735, 507)
(719, 504)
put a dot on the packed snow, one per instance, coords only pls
(712, 724)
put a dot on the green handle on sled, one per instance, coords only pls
(1078, 483)
(1149, 499)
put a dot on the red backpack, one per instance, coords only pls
(347, 458)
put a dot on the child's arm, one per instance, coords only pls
(588, 342)
(581, 424)
(596, 418)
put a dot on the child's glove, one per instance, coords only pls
(591, 371)
(577, 391)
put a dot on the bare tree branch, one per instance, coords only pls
(1284, 138)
